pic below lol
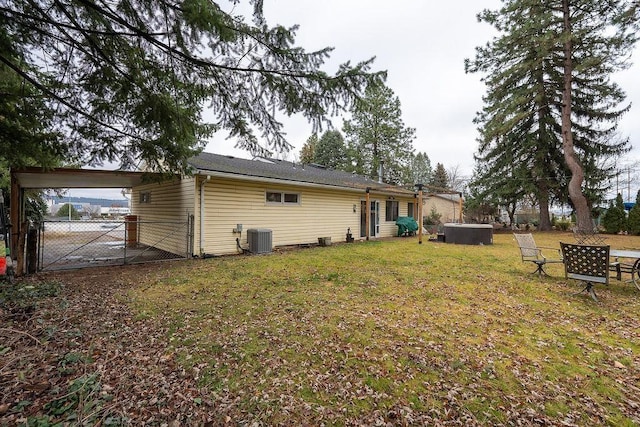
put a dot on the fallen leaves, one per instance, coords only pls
(222, 342)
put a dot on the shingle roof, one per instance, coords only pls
(288, 172)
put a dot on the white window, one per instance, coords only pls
(281, 197)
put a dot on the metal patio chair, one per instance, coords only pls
(530, 252)
(586, 263)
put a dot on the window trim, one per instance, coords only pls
(394, 211)
(283, 196)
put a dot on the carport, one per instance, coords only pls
(58, 178)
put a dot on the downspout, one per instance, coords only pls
(204, 181)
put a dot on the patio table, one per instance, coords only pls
(632, 268)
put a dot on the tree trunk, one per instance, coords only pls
(540, 168)
(512, 214)
(583, 213)
(543, 204)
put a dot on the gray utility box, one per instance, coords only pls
(259, 240)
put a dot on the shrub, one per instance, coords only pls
(615, 219)
(633, 222)
(563, 224)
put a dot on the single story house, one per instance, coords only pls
(225, 197)
(449, 206)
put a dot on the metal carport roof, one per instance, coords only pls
(39, 178)
(34, 177)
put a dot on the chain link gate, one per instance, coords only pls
(79, 244)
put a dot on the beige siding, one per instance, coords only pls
(449, 210)
(162, 222)
(320, 213)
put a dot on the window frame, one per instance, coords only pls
(282, 198)
(393, 213)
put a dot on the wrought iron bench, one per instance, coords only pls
(586, 263)
(532, 253)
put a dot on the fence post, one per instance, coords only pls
(32, 250)
(126, 229)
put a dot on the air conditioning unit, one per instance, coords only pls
(259, 240)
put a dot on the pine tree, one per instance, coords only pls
(307, 152)
(633, 221)
(331, 151)
(439, 179)
(419, 170)
(127, 81)
(523, 123)
(376, 133)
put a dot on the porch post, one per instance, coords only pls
(420, 213)
(367, 219)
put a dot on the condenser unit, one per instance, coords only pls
(259, 240)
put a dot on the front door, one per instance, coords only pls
(374, 220)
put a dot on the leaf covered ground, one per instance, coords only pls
(378, 333)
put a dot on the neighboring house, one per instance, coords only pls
(227, 196)
(447, 205)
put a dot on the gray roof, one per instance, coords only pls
(289, 172)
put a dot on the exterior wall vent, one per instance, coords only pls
(259, 240)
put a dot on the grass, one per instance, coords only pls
(400, 332)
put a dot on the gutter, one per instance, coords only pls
(228, 175)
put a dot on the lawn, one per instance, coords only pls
(391, 332)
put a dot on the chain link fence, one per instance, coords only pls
(78, 244)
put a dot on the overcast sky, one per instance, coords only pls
(422, 45)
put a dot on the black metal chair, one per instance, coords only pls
(586, 263)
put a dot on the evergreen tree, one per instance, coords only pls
(505, 191)
(307, 152)
(376, 133)
(633, 221)
(615, 219)
(126, 81)
(419, 170)
(440, 179)
(528, 115)
(331, 151)
(27, 134)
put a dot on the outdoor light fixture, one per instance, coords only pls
(354, 208)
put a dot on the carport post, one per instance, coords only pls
(15, 209)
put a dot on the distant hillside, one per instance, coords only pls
(106, 203)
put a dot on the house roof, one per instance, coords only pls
(452, 197)
(261, 168)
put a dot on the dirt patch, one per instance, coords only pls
(81, 357)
